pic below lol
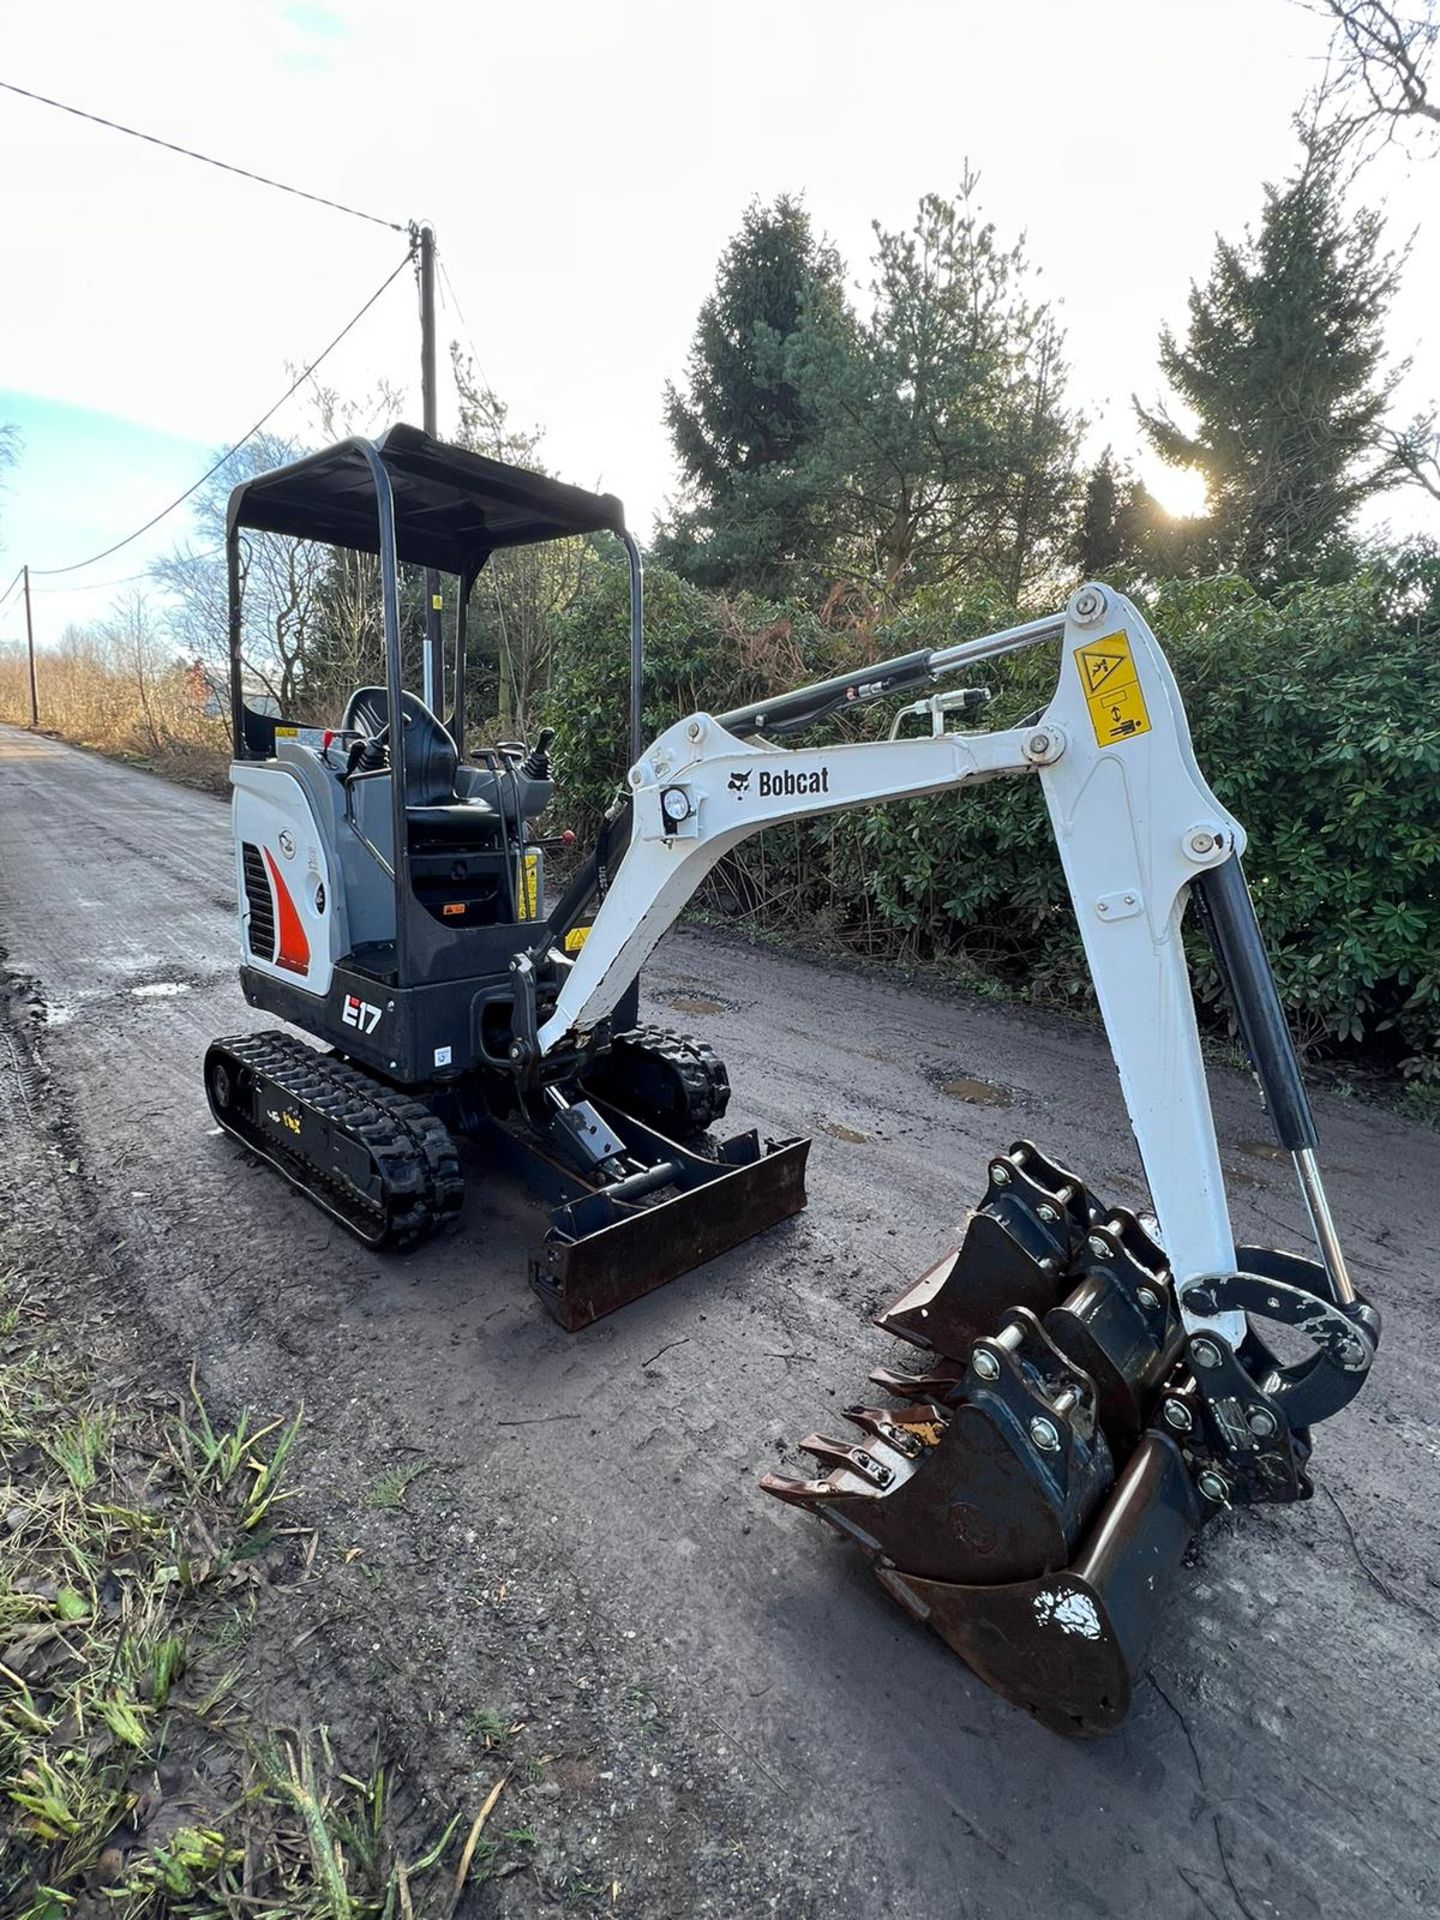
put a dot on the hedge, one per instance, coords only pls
(1316, 718)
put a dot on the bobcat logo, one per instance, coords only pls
(739, 782)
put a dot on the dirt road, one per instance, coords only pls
(739, 1721)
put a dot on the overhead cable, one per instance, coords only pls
(245, 173)
(210, 472)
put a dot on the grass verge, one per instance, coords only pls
(139, 1540)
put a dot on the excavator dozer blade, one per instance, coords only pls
(603, 1252)
(1068, 1646)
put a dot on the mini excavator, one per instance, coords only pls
(1096, 1384)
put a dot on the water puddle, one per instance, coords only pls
(696, 1003)
(975, 1093)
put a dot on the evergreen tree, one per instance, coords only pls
(1121, 528)
(939, 443)
(1096, 546)
(1282, 371)
(1042, 460)
(739, 426)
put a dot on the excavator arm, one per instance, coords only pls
(1134, 822)
(1098, 1387)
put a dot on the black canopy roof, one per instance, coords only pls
(452, 508)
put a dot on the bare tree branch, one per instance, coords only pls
(1415, 454)
(1379, 85)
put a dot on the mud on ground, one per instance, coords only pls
(736, 1720)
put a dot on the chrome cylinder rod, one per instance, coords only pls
(1322, 1222)
(1009, 640)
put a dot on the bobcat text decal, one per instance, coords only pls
(781, 786)
(775, 786)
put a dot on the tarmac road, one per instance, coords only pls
(810, 1750)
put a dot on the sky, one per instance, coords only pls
(584, 167)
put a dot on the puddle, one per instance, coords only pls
(694, 1003)
(159, 990)
(838, 1132)
(975, 1093)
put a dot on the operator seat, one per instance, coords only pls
(434, 810)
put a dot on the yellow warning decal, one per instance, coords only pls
(1112, 690)
(530, 888)
(576, 939)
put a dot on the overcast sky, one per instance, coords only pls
(584, 166)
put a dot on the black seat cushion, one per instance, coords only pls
(430, 757)
(469, 823)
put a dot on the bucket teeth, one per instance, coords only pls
(995, 1485)
(908, 1431)
(935, 1388)
(870, 1467)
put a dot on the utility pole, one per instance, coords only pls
(434, 636)
(30, 650)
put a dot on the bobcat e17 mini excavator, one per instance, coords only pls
(1097, 1385)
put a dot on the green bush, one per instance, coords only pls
(1316, 718)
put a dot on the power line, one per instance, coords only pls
(95, 586)
(154, 140)
(12, 586)
(268, 415)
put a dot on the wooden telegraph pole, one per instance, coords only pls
(30, 651)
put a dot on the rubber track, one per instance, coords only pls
(700, 1073)
(408, 1147)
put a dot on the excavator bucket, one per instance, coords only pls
(1067, 1645)
(1034, 1491)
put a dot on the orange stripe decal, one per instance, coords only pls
(294, 953)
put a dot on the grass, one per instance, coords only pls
(491, 1727)
(390, 1489)
(128, 1598)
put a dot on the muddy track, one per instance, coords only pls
(744, 1723)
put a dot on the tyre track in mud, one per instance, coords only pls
(809, 1749)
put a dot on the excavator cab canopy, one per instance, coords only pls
(413, 500)
(452, 508)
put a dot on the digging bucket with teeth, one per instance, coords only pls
(1033, 1493)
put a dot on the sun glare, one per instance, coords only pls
(1180, 490)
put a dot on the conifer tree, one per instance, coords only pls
(1282, 372)
(738, 427)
